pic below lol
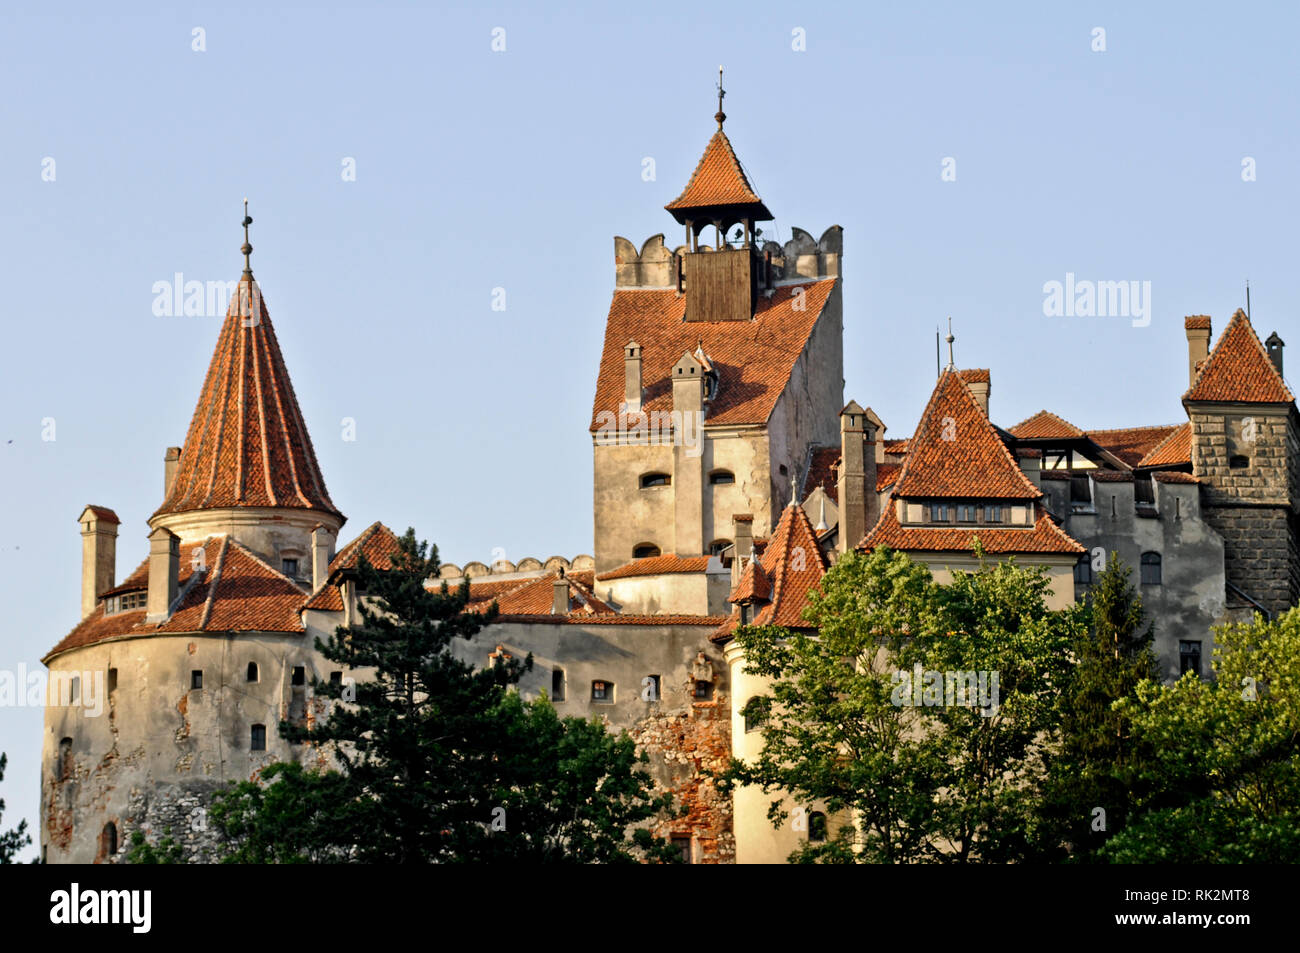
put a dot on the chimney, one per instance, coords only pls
(742, 531)
(632, 376)
(851, 484)
(322, 551)
(98, 554)
(980, 384)
(1275, 345)
(1031, 464)
(164, 572)
(560, 595)
(171, 460)
(1197, 327)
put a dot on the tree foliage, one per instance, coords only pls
(11, 842)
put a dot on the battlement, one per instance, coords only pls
(657, 266)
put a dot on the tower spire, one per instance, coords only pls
(950, 339)
(246, 248)
(721, 117)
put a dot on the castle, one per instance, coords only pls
(729, 474)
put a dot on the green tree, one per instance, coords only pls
(11, 842)
(439, 761)
(1097, 762)
(1223, 784)
(935, 781)
(166, 851)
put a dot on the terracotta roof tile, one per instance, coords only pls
(1197, 321)
(657, 565)
(1131, 444)
(717, 180)
(247, 444)
(103, 513)
(975, 375)
(754, 359)
(234, 591)
(1239, 370)
(614, 618)
(534, 596)
(377, 542)
(1044, 537)
(896, 447)
(754, 585)
(823, 471)
(956, 452)
(1173, 476)
(1173, 450)
(1045, 426)
(887, 475)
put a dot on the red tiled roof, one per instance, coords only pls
(793, 564)
(615, 618)
(1111, 476)
(535, 595)
(1131, 444)
(1174, 449)
(247, 444)
(103, 513)
(754, 586)
(1197, 321)
(377, 542)
(1045, 426)
(753, 358)
(823, 471)
(1173, 476)
(887, 475)
(656, 566)
(718, 179)
(955, 451)
(896, 447)
(236, 592)
(1044, 537)
(975, 375)
(1239, 370)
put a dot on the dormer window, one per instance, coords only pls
(966, 512)
(993, 513)
(655, 479)
(125, 602)
(718, 547)
(289, 567)
(940, 513)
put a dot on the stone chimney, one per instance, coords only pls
(632, 375)
(1031, 464)
(742, 531)
(322, 551)
(560, 595)
(164, 573)
(851, 484)
(688, 456)
(98, 554)
(171, 460)
(1197, 327)
(1275, 345)
(980, 384)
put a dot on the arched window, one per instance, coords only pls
(717, 546)
(655, 479)
(1150, 569)
(753, 718)
(721, 477)
(644, 550)
(258, 738)
(1238, 461)
(817, 826)
(108, 839)
(252, 672)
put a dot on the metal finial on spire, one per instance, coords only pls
(1247, 299)
(950, 339)
(246, 248)
(794, 488)
(721, 117)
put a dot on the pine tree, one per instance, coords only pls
(11, 842)
(1090, 790)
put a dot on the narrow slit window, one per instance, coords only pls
(258, 738)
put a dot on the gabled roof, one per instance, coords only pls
(377, 543)
(823, 471)
(247, 444)
(754, 585)
(718, 180)
(1131, 444)
(1045, 425)
(224, 587)
(534, 596)
(957, 453)
(753, 358)
(1238, 370)
(792, 566)
(101, 513)
(1175, 449)
(1044, 537)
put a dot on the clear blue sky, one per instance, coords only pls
(478, 169)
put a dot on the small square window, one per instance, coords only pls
(993, 513)
(703, 690)
(290, 567)
(683, 844)
(336, 678)
(299, 675)
(939, 513)
(602, 691)
(1189, 657)
(196, 679)
(965, 512)
(650, 689)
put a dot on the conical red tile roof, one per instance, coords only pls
(1238, 369)
(248, 443)
(718, 180)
